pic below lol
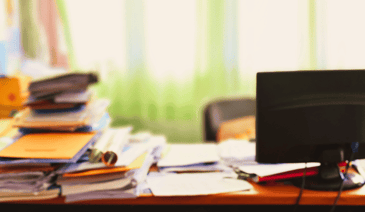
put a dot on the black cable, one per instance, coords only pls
(354, 147)
(302, 188)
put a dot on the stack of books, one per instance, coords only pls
(61, 122)
(121, 176)
(64, 104)
(67, 147)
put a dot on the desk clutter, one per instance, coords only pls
(62, 144)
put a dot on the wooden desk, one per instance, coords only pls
(278, 195)
(260, 198)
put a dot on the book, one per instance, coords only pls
(71, 120)
(64, 82)
(51, 192)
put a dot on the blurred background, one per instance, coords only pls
(160, 62)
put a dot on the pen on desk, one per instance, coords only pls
(117, 143)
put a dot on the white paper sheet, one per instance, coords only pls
(263, 170)
(238, 149)
(187, 154)
(137, 149)
(195, 184)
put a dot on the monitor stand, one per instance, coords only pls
(329, 178)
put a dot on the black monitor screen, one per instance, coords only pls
(302, 113)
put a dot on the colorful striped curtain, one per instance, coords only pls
(10, 47)
(42, 33)
(162, 61)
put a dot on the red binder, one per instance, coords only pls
(293, 174)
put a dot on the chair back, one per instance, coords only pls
(219, 111)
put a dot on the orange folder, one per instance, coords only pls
(136, 164)
(48, 145)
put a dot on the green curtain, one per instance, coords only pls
(30, 37)
(175, 108)
(170, 108)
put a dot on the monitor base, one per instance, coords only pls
(352, 181)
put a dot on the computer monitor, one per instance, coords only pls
(312, 116)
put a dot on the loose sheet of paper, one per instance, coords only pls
(186, 154)
(195, 184)
(263, 170)
(238, 149)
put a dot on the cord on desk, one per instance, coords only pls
(354, 146)
(302, 188)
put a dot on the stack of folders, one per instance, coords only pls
(116, 167)
(60, 124)
(63, 103)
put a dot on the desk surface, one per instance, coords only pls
(275, 194)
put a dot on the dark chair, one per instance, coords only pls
(219, 111)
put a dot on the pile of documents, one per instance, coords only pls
(193, 169)
(63, 103)
(116, 168)
(65, 146)
(59, 125)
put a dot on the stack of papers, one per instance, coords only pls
(193, 169)
(27, 165)
(60, 124)
(67, 145)
(194, 184)
(63, 103)
(86, 180)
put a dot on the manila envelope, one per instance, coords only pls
(136, 164)
(47, 145)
